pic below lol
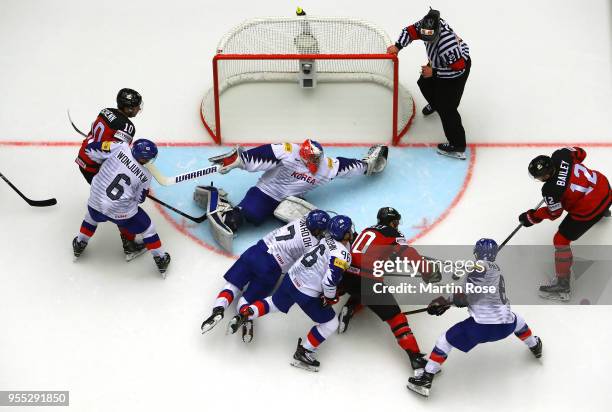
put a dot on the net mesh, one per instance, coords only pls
(305, 36)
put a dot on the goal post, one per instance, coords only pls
(307, 51)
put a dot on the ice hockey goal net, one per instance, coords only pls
(273, 49)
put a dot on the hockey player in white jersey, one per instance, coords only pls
(491, 318)
(116, 192)
(290, 170)
(311, 283)
(260, 267)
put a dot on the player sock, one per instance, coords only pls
(402, 332)
(319, 333)
(523, 332)
(260, 308)
(153, 244)
(563, 256)
(226, 296)
(438, 355)
(87, 231)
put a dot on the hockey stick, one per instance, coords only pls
(73, 125)
(516, 230)
(192, 218)
(35, 203)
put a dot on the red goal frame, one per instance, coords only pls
(216, 133)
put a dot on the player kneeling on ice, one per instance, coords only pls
(290, 170)
(260, 266)
(381, 242)
(311, 283)
(491, 318)
(116, 191)
(584, 193)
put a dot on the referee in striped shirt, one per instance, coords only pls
(443, 79)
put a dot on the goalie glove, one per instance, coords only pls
(229, 161)
(376, 159)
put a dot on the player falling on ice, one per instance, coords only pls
(584, 193)
(290, 170)
(113, 125)
(260, 267)
(380, 242)
(117, 189)
(311, 283)
(491, 318)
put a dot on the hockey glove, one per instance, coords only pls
(438, 306)
(460, 300)
(325, 301)
(528, 219)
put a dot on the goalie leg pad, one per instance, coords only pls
(210, 198)
(376, 159)
(293, 208)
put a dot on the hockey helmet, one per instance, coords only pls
(129, 99)
(486, 249)
(317, 221)
(339, 226)
(541, 168)
(386, 215)
(311, 153)
(430, 26)
(144, 150)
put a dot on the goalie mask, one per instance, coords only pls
(311, 153)
(430, 26)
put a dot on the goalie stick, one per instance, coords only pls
(35, 203)
(167, 181)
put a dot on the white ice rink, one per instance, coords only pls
(121, 339)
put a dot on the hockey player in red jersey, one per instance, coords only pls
(571, 186)
(383, 238)
(114, 125)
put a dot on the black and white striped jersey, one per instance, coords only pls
(448, 54)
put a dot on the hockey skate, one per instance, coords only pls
(162, 263)
(344, 317)
(421, 384)
(446, 149)
(304, 358)
(77, 248)
(537, 349)
(132, 249)
(211, 322)
(559, 290)
(417, 361)
(427, 110)
(247, 331)
(236, 323)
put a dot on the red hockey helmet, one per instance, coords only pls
(311, 153)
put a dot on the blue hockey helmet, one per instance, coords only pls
(339, 226)
(144, 150)
(317, 220)
(486, 249)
